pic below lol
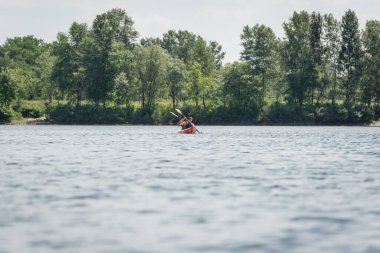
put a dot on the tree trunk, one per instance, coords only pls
(173, 101)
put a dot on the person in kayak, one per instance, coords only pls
(186, 123)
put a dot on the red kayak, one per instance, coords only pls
(190, 130)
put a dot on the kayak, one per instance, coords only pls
(190, 130)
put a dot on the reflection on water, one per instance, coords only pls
(149, 189)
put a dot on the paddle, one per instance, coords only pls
(175, 115)
(179, 111)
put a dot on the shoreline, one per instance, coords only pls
(45, 121)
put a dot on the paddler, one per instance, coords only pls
(186, 123)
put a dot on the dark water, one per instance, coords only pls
(148, 189)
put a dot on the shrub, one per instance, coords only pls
(331, 114)
(89, 114)
(7, 115)
(285, 113)
(32, 110)
(376, 113)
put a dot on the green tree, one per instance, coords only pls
(7, 89)
(45, 63)
(259, 46)
(69, 70)
(152, 76)
(195, 83)
(23, 50)
(145, 42)
(63, 68)
(350, 55)
(180, 44)
(77, 35)
(331, 43)
(124, 61)
(239, 89)
(296, 56)
(112, 26)
(371, 78)
(218, 53)
(316, 53)
(122, 89)
(176, 78)
(26, 82)
(20, 54)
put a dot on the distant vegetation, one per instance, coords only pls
(324, 71)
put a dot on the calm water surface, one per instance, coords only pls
(148, 189)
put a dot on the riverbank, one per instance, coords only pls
(31, 121)
(45, 121)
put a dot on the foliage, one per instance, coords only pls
(152, 63)
(29, 110)
(88, 114)
(350, 55)
(7, 90)
(323, 71)
(259, 45)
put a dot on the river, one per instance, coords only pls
(148, 189)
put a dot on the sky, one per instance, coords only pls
(215, 20)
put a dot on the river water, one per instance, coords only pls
(148, 189)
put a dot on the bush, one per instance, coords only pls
(214, 114)
(376, 113)
(331, 114)
(28, 109)
(89, 114)
(344, 114)
(285, 113)
(360, 114)
(32, 110)
(7, 115)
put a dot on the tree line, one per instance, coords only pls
(323, 70)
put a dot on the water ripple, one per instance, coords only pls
(149, 189)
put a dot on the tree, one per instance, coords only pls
(152, 75)
(296, 56)
(25, 81)
(371, 78)
(239, 89)
(77, 35)
(112, 26)
(218, 53)
(145, 42)
(124, 62)
(195, 83)
(7, 89)
(259, 45)
(122, 89)
(20, 55)
(204, 55)
(176, 78)
(350, 55)
(62, 69)
(331, 43)
(69, 70)
(24, 50)
(316, 53)
(179, 44)
(45, 63)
